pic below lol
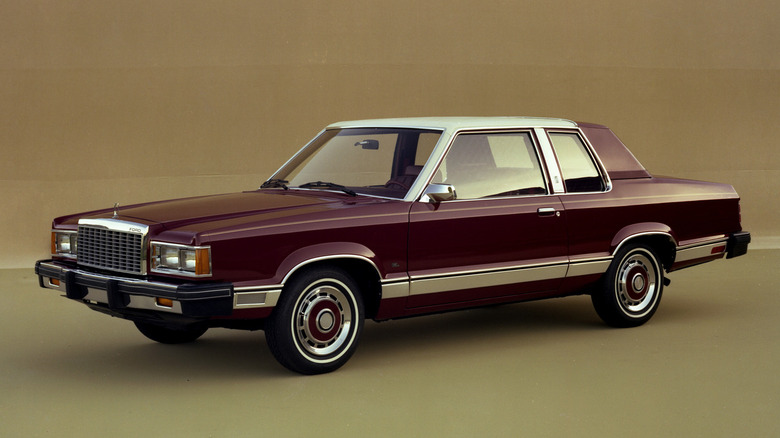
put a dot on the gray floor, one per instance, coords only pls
(706, 365)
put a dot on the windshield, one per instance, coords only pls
(372, 161)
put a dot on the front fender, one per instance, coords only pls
(326, 251)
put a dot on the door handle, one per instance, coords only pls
(548, 211)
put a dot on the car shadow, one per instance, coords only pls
(238, 354)
(522, 322)
(132, 358)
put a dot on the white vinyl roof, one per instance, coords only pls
(456, 123)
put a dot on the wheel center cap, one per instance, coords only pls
(638, 282)
(325, 320)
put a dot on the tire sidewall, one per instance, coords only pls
(286, 345)
(607, 300)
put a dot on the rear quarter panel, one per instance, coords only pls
(691, 210)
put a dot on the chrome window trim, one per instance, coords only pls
(449, 130)
(551, 161)
(430, 167)
(593, 155)
(415, 193)
(599, 164)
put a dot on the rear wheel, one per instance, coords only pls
(631, 289)
(168, 335)
(315, 326)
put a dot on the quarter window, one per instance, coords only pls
(577, 166)
(485, 165)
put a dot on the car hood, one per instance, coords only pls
(207, 212)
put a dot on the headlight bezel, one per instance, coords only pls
(64, 243)
(182, 260)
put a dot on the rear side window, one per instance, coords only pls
(577, 166)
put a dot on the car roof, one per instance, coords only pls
(455, 123)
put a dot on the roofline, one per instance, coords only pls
(447, 123)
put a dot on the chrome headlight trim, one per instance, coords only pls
(64, 243)
(181, 260)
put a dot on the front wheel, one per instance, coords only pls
(631, 289)
(316, 324)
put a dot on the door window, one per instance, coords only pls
(491, 165)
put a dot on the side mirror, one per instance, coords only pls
(440, 192)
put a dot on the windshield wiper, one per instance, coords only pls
(327, 185)
(275, 182)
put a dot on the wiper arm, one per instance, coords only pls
(327, 185)
(275, 182)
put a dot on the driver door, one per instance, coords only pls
(502, 236)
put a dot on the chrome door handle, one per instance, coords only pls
(548, 211)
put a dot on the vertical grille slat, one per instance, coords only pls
(112, 250)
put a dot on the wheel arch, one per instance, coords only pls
(358, 266)
(657, 236)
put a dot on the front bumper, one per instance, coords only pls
(134, 298)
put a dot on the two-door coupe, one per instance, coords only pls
(392, 218)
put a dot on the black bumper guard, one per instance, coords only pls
(737, 244)
(197, 300)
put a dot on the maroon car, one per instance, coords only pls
(392, 218)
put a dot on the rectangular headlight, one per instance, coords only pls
(190, 261)
(64, 243)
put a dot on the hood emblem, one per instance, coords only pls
(116, 210)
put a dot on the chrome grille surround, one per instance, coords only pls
(114, 245)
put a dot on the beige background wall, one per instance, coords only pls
(104, 102)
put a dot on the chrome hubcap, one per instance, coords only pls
(637, 283)
(323, 320)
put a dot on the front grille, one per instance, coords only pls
(113, 250)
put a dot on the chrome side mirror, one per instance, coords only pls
(440, 192)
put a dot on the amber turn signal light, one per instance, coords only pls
(203, 261)
(164, 302)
